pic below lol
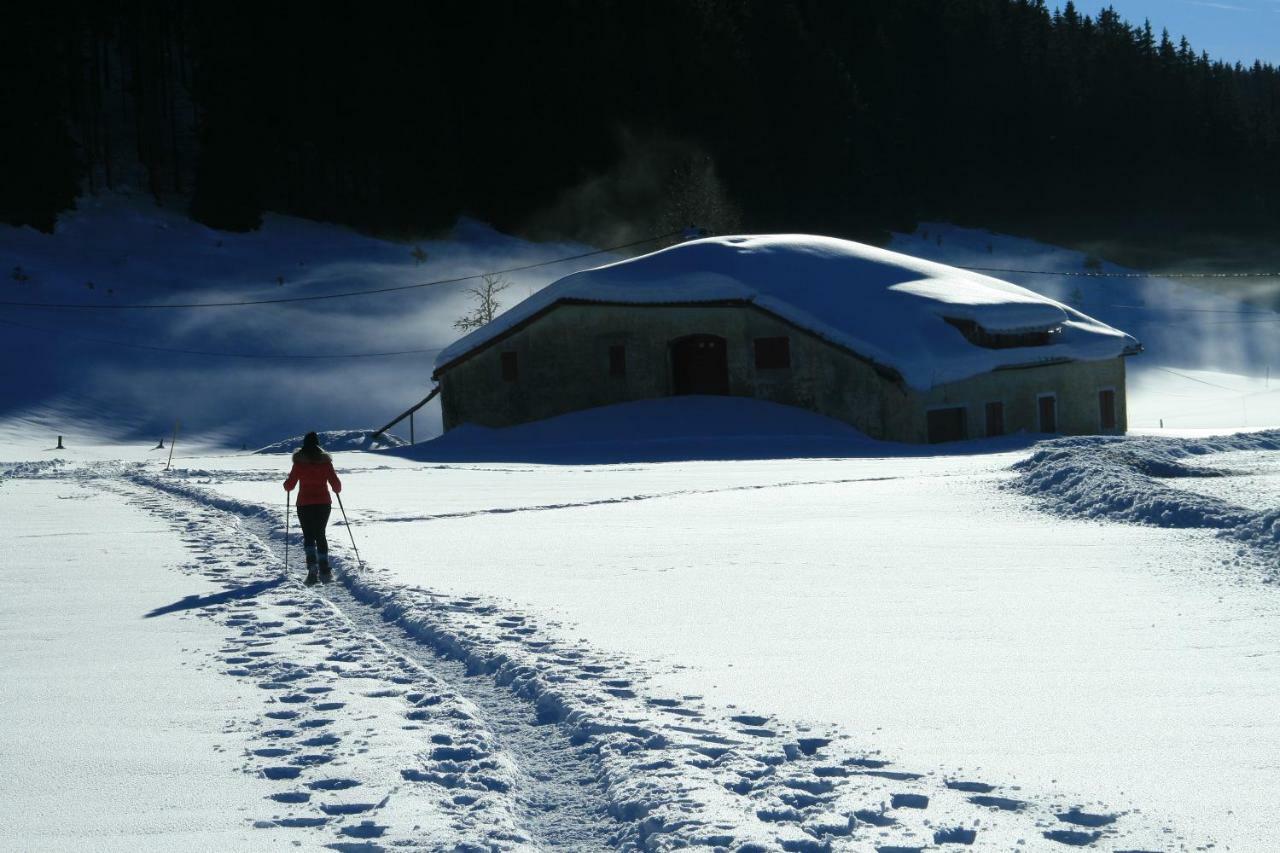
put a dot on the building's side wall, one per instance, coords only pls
(563, 365)
(1076, 386)
(562, 361)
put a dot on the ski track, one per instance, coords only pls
(396, 718)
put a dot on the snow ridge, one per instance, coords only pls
(1135, 479)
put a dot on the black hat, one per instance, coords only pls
(311, 440)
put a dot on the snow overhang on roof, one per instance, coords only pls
(890, 308)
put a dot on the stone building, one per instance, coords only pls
(901, 348)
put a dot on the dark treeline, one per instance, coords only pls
(603, 118)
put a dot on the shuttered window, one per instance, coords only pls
(510, 367)
(617, 360)
(948, 425)
(773, 353)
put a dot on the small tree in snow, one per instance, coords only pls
(485, 297)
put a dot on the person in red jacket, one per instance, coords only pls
(313, 470)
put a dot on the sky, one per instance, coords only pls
(1232, 30)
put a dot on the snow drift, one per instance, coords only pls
(1125, 479)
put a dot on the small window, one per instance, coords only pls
(948, 425)
(1107, 408)
(1048, 409)
(510, 368)
(773, 353)
(617, 360)
(995, 419)
(979, 336)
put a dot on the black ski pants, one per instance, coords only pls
(313, 518)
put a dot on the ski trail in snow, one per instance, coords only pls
(579, 734)
(374, 740)
(373, 516)
(347, 725)
(558, 794)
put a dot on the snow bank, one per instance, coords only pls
(1121, 479)
(886, 306)
(335, 440)
(668, 429)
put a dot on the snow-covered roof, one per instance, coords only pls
(888, 307)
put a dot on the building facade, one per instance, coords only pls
(578, 354)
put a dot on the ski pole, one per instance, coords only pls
(286, 531)
(349, 533)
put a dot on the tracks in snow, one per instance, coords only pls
(492, 771)
(374, 739)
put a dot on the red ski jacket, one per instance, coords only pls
(313, 476)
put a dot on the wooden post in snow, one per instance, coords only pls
(172, 444)
(59, 447)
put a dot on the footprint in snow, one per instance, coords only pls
(1004, 804)
(281, 773)
(1080, 818)
(365, 829)
(1072, 838)
(336, 809)
(272, 752)
(301, 822)
(332, 784)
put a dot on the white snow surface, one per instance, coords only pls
(918, 622)
(885, 306)
(784, 644)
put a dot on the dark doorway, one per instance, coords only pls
(1048, 413)
(1107, 408)
(948, 425)
(995, 419)
(700, 365)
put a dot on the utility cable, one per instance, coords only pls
(1095, 274)
(282, 356)
(287, 299)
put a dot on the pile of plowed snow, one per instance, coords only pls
(1129, 479)
(336, 440)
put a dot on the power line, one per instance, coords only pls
(1265, 315)
(1094, 274)
(283, 356)
(1201, 381)
(286, 299)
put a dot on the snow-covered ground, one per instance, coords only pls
(760, 631)
(879, 651)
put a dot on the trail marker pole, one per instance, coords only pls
(59, 447)
(172, 444)
(349, 533)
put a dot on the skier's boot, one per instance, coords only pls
(326, 574)
(311, 576)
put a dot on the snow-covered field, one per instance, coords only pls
(881, 651)
(761, 632)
